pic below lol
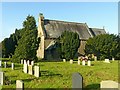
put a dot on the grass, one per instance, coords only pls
(59, 74)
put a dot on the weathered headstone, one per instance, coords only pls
(78, 62)
(71, 61)
(5, 64)
(89, 63)
(19, 85)
(1, 78)
(83, 62)
(107, 61)
(36, 71)
(113, 59)
(12, 64)
(28, 63)
(0, 63)
(30, 69)
(22, 61)
(109, 84)
(64, 60)
(32, 62)
(77, 81)
(25, 68)
(95, 58)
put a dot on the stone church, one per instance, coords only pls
(50, 30)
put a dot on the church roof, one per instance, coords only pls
(54, 28)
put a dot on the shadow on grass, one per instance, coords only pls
(49, 73)
(92, 87)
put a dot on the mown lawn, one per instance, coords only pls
(59, 74)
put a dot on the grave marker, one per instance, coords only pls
(30, 70)
(25, 68)
(95, 58)
(1, 78)
(32, 62)
(12, 64)
(89, 63)
(107, 61)
(28, 63)
(71, 61)
(25, 62)
(77, 81)
(0, 63)
(5, 64)
(22, 61)
(78, 62)
(113, 59)
(19, 85)
(64, 60)
(36, 71)
(83, 62)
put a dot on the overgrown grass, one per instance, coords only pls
(59, 74)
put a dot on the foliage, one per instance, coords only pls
(68, 44)
(28, 44)
(104, 46)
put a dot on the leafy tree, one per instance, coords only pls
(28, 43)
(103, 46)
(68, 44)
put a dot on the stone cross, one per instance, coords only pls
(107, 61)
(77, 81)
(78, 62)
(1, 78)
(64, 60)
(0, 63)
(30, 70)
(12, 66)
(25, 68)
(83, 62)
(89, 63)
(22, 61)
(36, 71)
(109, 84)
(19, 85)
(5, 64)
(32, 62)
(71, 61)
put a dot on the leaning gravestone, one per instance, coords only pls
(25, 68)
(12, 66)
(5, 64)
(19, 85)
(83, 62)
(36, 71)
(77, 81)
(107, 61)
(0, 63)
(110, 85)
(1, 78)
(89, 63)
(71, 61)
(30, 69)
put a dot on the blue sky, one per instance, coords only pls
(96, 15)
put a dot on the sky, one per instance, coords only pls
(95, 14)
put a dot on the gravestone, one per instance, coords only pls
(25, 68)
(89, 63)
(32, 62)
(12, 64)
(79, 58)
(71, 61)
(36, 71)
(1, 78)
(19, 85)
(28, 63)
(95, 58)
(64, 60)
(77, 81)
(30, 70)
(113, 59)
(107, 61)
(109, 84)
(25, 62)
(22, 61)
(83, 62)
(5, 64)
(78, 62)
(0, 63)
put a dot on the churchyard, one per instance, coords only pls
(59, 74)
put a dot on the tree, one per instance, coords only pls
(103, 46)
(28, 43)
(68, 44)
